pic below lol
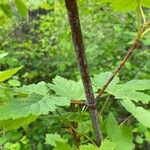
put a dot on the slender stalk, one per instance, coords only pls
(121, 65)
(11, 33)
(129, 52)
(124, 121)
(145, 32)
(76, 137)
(73, 15)
(90, 139)
(143, 16)
(139, 14)
(104, 105)
(72, 127)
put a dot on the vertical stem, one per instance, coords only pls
(139, 15)
(75, 135)
(73, 15)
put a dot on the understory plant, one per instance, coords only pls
(73, 112)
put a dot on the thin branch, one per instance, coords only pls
(122, 123)
(89, 139)
(11, 33)
(121, 65)
(73, 15)
(104, 105)
(77, 102)
(139, 14)
(143, 16)
(73, 130)
(145, 32)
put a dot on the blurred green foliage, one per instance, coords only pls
(42, 44)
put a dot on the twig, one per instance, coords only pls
(121, 65)
(125, 120)
(104, 105)
(72, 130)
(143, 16)
(11, 33)
(140, 12)
(89, 139)
(73, 15)
(77, 102)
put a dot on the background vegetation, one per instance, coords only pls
(42, 44)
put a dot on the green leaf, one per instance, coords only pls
(12, 146)
(17, 123)
(31, 105)
(6, 9)
(145, 3)
(84, 127)
(39, 88)
(67, 88)
(3, 19)
(120, 136)
(53, 138)
(122, 5)
(129, 91)
(137, 84)
(141, 114)
(126, 5)
(4, 75)
(3, 55)
(22, 8)
(58, 142)
(88, 147)
(63, 146)
(100, 80)
(107, 145)
(14, 83)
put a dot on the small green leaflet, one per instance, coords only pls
(39, 88)
(14, 83)
(17, 123)
(63, 146)
(106, 145)
(141, 114)
(126, 5)
(6, 9)
(4, 75)
(137, 84)
(84, 127)
(67, 88)
(122, 5)
(22, 8)
(100, 79)
(53, 138)
(131, 90)
(89, 147)
(59, 143)
(2, 55)
(120, 136)
(31, 105)
(145, 3)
